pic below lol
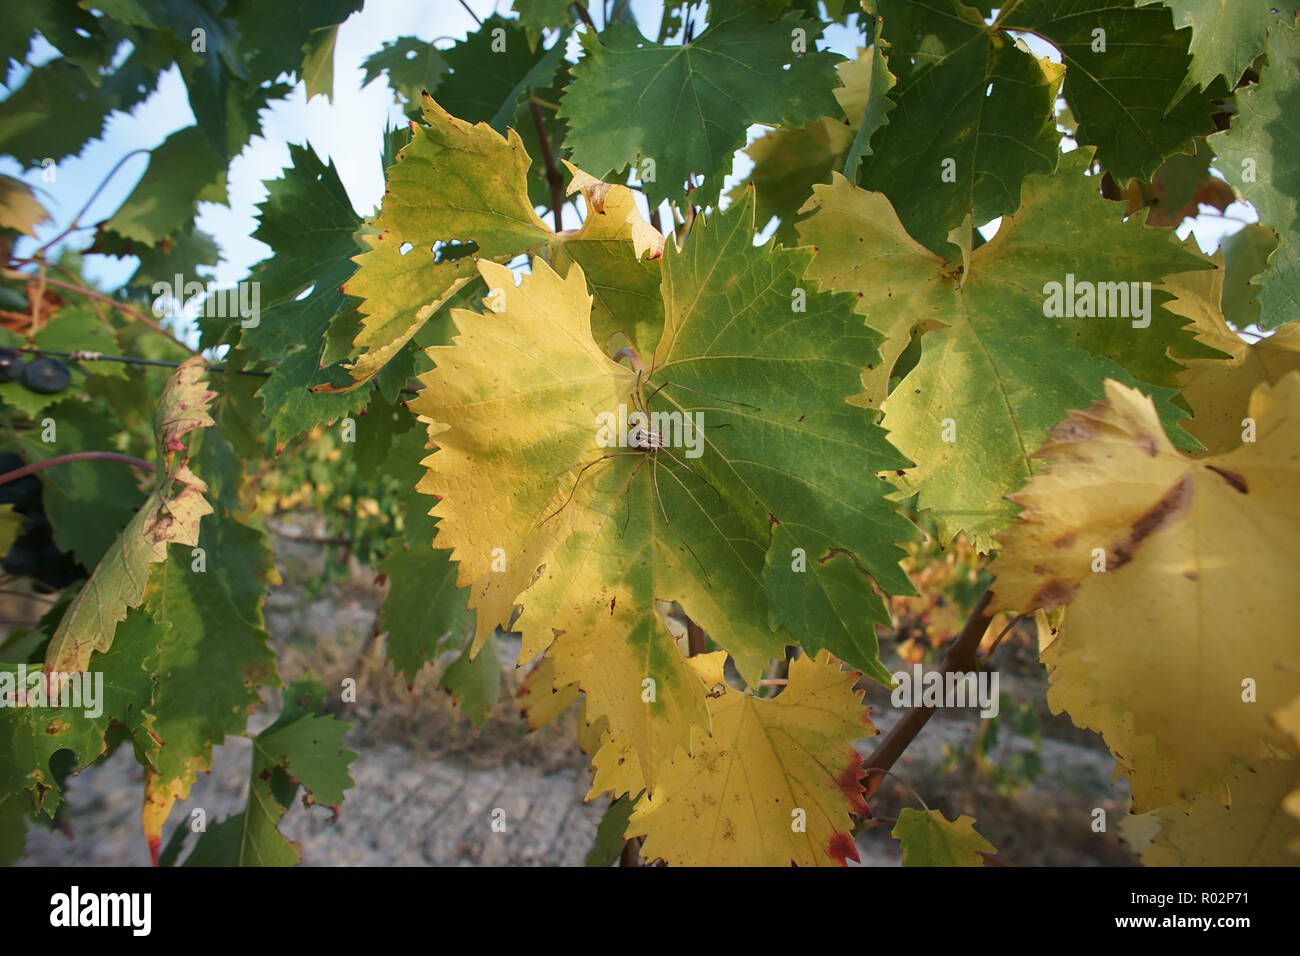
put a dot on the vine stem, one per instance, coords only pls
(960, 657)
(36, 466)
(553, 177)
(93, 196)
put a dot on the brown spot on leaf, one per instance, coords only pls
(1168, 509)
(1231, 477)
(1054, 594)
(1148, 445)
(1064, 541)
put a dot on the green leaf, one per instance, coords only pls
(423, 607)
(931, 839)
(180, 253)
(76, 33)
(303, 748)
(183, 170)
(538, 15)
(89, 503)
(490, 69)
(212, 655)
(996, 371)
(413, 66)
(687, 108)
(1245, 254)
(318, 62)
(1226, 37)
(1258, 155)
(609, 834)
(875, 112)
(973, 117)
(56, 110)
(1121, 93)
(474, 683)
(277, 32)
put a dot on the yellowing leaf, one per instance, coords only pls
(18, 207)
(1219, 389)
(458, 191)
(1182, 646)
(773, 784)
(539, 699)
(931, 839)
(1249, 832)
(171, 513)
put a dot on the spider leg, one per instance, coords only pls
(693, 472)
(654, 475)
(574, 489)
(627, 498)
(687, 388)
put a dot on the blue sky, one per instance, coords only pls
(346, 131)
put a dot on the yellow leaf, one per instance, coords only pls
(539, 699)
(18, 207)
(775, 783)
(1218, 390)
(1250, 832)
(1180, 577)
(171, 513)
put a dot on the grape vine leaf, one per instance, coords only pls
(18, 207)
(788, 161)
(89, 503)
(931, 839)
(413, 66)
(183, 170)
(688, 107)
(272, 35)
(1124, 68)
(1258, 154)
(490, 69)
(590, 549)
(211, 653)
(474, 682)
(303, 748)
(539, 15)
(540, 700)
(171, 513)
(773, 784)
(609, 834)
(1226, 37)
(55, 89)
(459, 191)
(318, 62)
(995, 369)
(973, 116)
(1195, 594)
(423, 606)
(1218, 390)
(1245, 254)
(1248, 832)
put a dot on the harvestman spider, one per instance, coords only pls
(647, 443)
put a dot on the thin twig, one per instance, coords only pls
(471, 12)
(960, 657)
(93, 196)
(36, 466)
(121, 307)
(553, 177)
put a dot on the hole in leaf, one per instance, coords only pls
(405, 247)
(305, 292)
(451, 251)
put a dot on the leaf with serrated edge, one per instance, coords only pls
(1258, 153)
(171, 513)
(931, 839)
(992, 362)
(736, 799)
(1197, 592)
